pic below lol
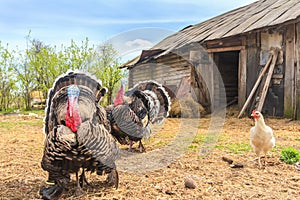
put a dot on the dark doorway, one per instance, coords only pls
(228, 65)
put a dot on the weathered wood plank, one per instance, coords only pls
(297, 74)
(252, 71)
(224, 43)
(242, 78)
(255, 16)
(234, 48)
(263, 71)
(289, 71)
(247, 20)
(269, 15)
(268, 80)
(290, 10)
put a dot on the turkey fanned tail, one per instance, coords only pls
(146, 103)
(155, 98)
(89, 146)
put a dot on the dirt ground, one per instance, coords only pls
(21, 176)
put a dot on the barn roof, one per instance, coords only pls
(260, 14)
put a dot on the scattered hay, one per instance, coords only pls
(21, 176)
(187, 108)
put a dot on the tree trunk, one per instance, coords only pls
(109, 97)
(27, 99)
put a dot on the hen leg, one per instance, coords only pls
(78, 191)
(259, 163)
(257, 152)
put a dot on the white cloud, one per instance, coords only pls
(137, 43)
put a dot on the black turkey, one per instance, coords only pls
(133, 111)
(76, 134)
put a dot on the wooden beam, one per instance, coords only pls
(297, 74)
(268, 80)
(223, 49)
(262, 72)
(242, 73)
(289, 73)
(210, 71)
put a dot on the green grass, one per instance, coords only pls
(9, 110)
(40, 112)
(198, 139)
(9, 125)
(201, 139)
(160, 143)
(236, 148)
(193, 147)
(298, 139)
(277, 148)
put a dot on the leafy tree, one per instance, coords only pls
(46, 64)
(78, 55)
(25, 76)
(105, 66)
(7, 78)
(36, 68)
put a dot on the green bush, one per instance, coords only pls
(290, 155)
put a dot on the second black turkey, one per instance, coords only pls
(133, 111)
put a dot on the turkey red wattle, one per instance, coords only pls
(73, 119)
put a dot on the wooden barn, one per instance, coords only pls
(252, 53)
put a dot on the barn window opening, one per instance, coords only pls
(228, 65)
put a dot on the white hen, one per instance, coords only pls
(261, 136)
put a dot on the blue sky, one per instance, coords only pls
(132, 22)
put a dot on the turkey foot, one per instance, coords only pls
(79, 191)
(113, 178)
(53, 192)
(130, 146)
(141, 146)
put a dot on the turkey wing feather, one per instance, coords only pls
(97, 140)
(129, 122)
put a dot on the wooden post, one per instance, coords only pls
(262, 72)
(289, 72)
(297, 75)
(267, 83)
(242, 78)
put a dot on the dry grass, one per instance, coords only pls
(21, 176)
